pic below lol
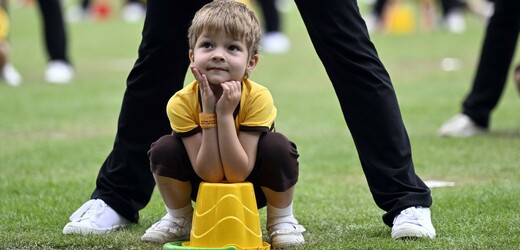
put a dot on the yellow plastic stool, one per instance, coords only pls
(400, 18)
(225, 217)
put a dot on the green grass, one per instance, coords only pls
(53, 140)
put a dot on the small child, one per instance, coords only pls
(7, 71)
(223, 130)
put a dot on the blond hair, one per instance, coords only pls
(228, 16)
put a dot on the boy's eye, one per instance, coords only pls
(233, 48)
(206, 45)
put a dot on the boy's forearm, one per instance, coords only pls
(208, 164)
(235, 161)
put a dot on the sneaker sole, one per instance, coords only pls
(411, 231)
(161, 240)
(88, 231)
(290, 241)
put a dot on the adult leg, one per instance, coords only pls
(273, 40)
(271, 16)
(59, 69)
(453, 16)
(379, 8)
(495, 60)
(54, 29)
(368, 101)
(124, 181)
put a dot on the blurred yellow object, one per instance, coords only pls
(399, 18)
(226, 215)
(248, 3)
(4, 24)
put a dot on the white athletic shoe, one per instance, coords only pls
(413, 222)
(285, 232)
(461, 126)
(59, 72)
(455, 22)
(275, 43)
(94, 217)
(11, 75)
(133, 12)
(169, 229)
(77, 13)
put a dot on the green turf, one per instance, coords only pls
(53, 140)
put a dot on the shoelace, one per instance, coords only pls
(92, 209)
(180, 225)
(296, 229)
(410, 215)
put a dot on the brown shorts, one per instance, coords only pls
(276, 165)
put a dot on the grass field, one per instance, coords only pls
(53, 140)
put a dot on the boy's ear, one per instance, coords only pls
(252, 63)
(191, 56)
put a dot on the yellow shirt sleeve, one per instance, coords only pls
(183, 110)
(4, 24)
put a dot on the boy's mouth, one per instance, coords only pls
(216, 69)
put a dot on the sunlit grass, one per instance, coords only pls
(53, 140)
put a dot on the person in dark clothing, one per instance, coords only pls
(367, 98)
(496, 56)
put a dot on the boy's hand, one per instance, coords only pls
(232, 92)
(208, 98)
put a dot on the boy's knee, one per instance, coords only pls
(277, 146)
(161, 150)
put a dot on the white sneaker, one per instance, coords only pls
(461, 126)
(285, 232)
(94, 217)
(58, 72)
(372, 22)
(455, 22)
(11, 75)
(77, 13)
(133, 12)
(413, 222)
(169, 229)
(275, 43)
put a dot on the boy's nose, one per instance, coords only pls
(217, 57)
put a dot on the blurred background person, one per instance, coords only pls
(452, 14)
(8, 73)
(496, 55)
(274, 40)
(59, 70)
(132, 11)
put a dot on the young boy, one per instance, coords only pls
(223, 130)
(7, 71)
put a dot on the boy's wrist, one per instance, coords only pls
(208, 120)
(208, 110)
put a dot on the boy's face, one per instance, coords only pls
(221, 58)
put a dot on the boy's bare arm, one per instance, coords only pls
(202, 149)
(238, 153)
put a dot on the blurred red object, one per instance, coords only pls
(101, 10)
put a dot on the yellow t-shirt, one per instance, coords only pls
(4, 24)
(255, 113)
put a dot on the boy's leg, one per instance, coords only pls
(369, 103)
(276, 172)
(173, 174)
